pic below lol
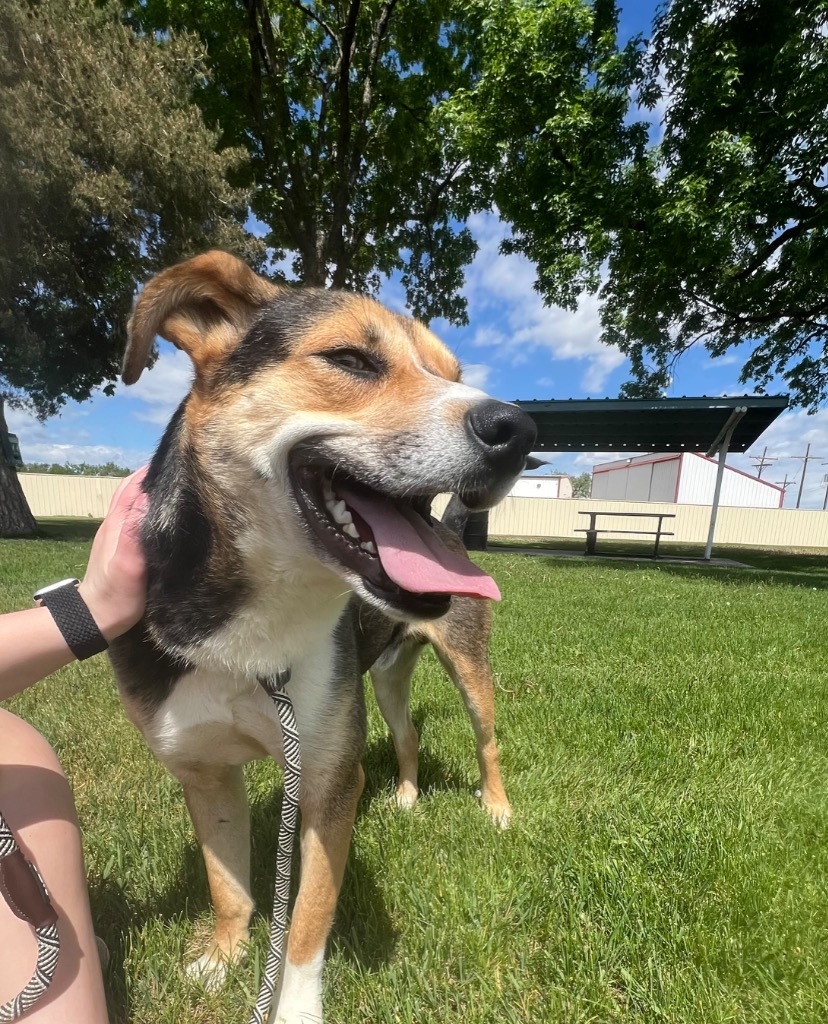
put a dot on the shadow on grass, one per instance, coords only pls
(67, 529)
(810, 578)
(362, 931)
(381, 769)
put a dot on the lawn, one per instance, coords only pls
(664, 739)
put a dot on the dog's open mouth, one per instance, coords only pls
(390, 543)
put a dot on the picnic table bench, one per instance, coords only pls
(592, 531)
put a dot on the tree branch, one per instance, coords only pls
(310, 13)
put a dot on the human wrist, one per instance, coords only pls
(107, 613)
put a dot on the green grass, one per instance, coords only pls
(664, 738)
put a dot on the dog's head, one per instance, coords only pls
(355, 415)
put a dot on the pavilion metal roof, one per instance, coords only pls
(651, 425)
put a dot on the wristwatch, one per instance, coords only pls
(73, 618)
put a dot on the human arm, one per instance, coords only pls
(114, 588)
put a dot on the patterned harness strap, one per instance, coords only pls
(26, 895)
(275, 687)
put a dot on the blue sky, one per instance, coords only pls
(514, 347)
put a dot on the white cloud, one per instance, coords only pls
(58, 440)
(501, 288)
(161, 389)
(476, 375)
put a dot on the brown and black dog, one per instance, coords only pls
(295, 479)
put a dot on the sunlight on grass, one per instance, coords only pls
(663, 735)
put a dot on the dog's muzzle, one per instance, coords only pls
(503, 436)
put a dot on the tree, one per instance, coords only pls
(581, 485)
(75, 469)
(718, 235)
(334, 103)
(364, 155)
(733, 244)
(108, 173)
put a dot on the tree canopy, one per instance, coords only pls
(716, 235)
(732, 244)
(108, 173)
(363, 156)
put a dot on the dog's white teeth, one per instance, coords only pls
(350, 529)
(369, 546)
(341, 514)
(327, 491)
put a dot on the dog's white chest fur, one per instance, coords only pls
(220, 713)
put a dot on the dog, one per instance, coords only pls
(293, 482)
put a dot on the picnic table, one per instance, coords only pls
(592, 531)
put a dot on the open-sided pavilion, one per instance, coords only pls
(715, 426)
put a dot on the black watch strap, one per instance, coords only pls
(74, 620)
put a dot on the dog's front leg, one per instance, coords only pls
(327, 826)
(217, 802)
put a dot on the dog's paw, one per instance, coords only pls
(406, 795)
(499, 811)
(209, 971)
(301, 1018)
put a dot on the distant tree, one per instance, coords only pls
(581, 485)
(75, 469)
(108, 173)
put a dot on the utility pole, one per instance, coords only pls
(785, 484)
(825, 481)
(806, 458)
(762, 461)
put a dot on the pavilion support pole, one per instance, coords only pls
(722, 445)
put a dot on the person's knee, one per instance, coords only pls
(22, 744)
(32, 784)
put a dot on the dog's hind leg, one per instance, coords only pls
(391, 677)
(217, 802)
(461, 642)
(327, 826)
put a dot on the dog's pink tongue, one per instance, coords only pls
(413, 556)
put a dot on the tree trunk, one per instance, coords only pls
(16, 520)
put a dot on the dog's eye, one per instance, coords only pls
(353, 361)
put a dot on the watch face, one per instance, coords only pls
(55, 586)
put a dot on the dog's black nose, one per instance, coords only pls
(504, 432)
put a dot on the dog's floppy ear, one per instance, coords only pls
(202, 306)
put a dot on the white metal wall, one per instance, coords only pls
(642, 478)
(698, 482)
(537, 487)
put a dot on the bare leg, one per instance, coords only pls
(37, 803)
(327, 826)
(217, 802)
(392, 686)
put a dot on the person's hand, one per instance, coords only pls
(114, 587)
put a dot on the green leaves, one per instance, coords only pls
(108, 175)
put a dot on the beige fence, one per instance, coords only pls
(51, 495)
(758, 527)
(89, 497)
